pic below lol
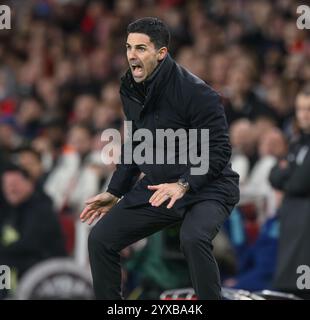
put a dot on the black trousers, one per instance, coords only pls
(123, 226)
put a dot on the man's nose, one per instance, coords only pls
(131, 54)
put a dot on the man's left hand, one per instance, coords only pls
(165, 191)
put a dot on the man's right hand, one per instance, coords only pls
(98, 206)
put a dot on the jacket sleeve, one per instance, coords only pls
(279, 176)
(205, 111)
(293, 180)
(298, 183)
(125, 175)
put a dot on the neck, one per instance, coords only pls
(155, 80)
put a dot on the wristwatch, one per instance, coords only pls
(183, 183)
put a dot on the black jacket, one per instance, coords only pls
(294, 180)
(294, 214)
(38, 230)
(175, 98)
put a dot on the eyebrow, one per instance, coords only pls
(137, 45)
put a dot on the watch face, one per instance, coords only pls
(183, 183)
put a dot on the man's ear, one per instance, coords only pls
(162, 52)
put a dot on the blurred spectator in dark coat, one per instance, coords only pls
(29, 229)
(291, 175)
(242, 102)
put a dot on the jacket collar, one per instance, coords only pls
(153, 85)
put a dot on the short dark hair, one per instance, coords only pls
(154, 28)
(13, 167)
(27, 148)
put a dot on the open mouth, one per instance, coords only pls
(137, 70)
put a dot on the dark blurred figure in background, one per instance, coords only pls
(292, 176)
(29, 229)
(242, 101)
(30, 160)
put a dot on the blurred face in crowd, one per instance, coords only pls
(110, 95)
(31, 163)
(30, 110)
(242, 136)
(142, 55)
(16, 188)
(7, 136)
(185, 57)
(104, 116)
(303, 112)
(80, 140)
(218, 68)
(239, 80)
(83, 108)
(272, 143)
